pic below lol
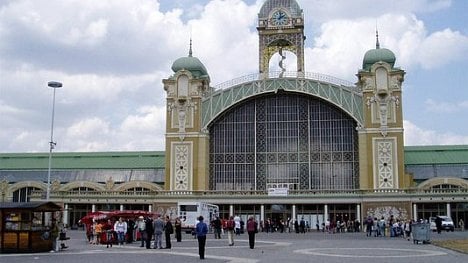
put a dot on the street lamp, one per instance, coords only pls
(54, 85)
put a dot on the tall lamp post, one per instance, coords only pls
(54, 85)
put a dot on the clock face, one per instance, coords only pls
(279, 18)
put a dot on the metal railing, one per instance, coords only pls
(286, 74)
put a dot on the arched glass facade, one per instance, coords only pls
(284, 141)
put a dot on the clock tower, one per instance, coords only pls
(280, 28)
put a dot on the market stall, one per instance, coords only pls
(24, 227)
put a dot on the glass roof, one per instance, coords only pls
(99, 176)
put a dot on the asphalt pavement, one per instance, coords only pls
(270, 247)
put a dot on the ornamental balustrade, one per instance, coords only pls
(430, 193)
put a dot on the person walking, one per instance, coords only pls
(302, 226)
(369, 225)
(149, 231)
(109, 229)
(230, 225)
(120, 228)
(237, 226)
(438, 222)
(93, 233)
(130, 230)
(178, 229)
(251, 231)
(382, 226)
(158, 226)
(98, 230)
(168, 230)
(200, 231)
(54, 234)
(141, 225)
(217, 228)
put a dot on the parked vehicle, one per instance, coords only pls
(447, 223)
(189, 212)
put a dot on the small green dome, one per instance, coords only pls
(379, 54)
(191, 64)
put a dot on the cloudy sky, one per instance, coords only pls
(111, 57)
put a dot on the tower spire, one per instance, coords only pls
(377, 44)
(190, 49)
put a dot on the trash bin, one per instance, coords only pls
(421, 233)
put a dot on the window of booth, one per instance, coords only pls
(21, 221)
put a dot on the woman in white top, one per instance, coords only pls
(120, 227)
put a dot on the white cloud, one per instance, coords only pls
(415, 135)
(446, 107)
(92, 35)
(112, 55)
(223, 39)
(441, 48)
(340, 46)
(91, 134)
(145, 130)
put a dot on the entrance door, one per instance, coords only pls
(279, 217)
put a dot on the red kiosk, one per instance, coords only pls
(102, 217)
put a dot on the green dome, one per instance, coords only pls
(191, 64)
(379, 54)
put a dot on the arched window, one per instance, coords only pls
(182, 86)
(445, 187)
(137, 191)
(81, 189)
(23, 194)
(284, 141)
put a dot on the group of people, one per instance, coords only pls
(119, 232)
(392, 227)
(107, 232)
(221, 225)
(147, 227)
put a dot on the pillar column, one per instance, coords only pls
(262, 213)
(121, 207)
(93, 208)
(358, 213)
(415, 212)
(231, 210)
(65, 215)
(449, 210)
(325, 212)
(293, 211)
(150, 208)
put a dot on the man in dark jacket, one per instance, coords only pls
(217, 228)
(438, 222)
(149, 231)
(168, 230)
(251, 230)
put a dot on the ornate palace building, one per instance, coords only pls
(273, 144)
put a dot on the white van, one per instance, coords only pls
(189, 212)
(447, 223)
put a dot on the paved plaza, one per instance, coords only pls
(272, 247)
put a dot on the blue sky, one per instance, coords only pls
(111, 57)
